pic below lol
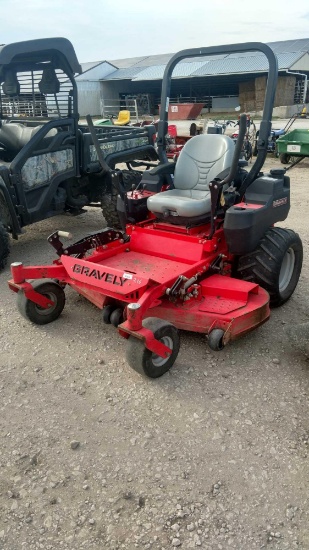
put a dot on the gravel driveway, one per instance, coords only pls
(92, 456)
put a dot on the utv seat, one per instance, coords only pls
(13, 137)
(123, 118)
(203, 158)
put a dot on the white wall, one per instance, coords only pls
(89, 89)
(302, 64)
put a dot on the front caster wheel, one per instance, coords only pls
(146, 362)
(37, 314)
(116, 317)
(215, 339)
(106, 314)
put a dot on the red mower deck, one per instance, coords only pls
(122, 275)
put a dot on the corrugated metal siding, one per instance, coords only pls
(89, 98)
(97, 73)
(152, 67)
(230, 64)
(182, 70)
(300, 45)
(124, 74)
(143, 62)
(254, 63)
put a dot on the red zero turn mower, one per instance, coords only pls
(202, 256)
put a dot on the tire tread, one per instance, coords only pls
(263, 265)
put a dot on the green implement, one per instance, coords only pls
(294, 143)
(294, 146)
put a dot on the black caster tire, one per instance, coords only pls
(37, 314)
(116, 317)
(144, 361)
(106, 314)
(275, 264)
(215, 339)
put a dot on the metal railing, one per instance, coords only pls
(113, 106)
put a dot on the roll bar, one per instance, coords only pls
(238, 147)
(265, 126)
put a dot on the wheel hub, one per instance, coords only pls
(160, 361)
(50, 307)
(287, 269)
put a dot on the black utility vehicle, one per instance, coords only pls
(49, 162)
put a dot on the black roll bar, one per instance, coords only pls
(265, 126)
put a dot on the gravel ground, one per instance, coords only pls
(92, 456)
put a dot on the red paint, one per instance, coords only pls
(184, 111)
(144, 270)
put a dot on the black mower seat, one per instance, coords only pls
(13, 137)
(201, 160)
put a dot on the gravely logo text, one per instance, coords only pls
(99, 275)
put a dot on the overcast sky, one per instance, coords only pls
(113, 29)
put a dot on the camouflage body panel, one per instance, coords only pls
(111, 147)
(41, 169)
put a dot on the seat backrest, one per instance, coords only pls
(13, 137)
(49, 83)
(201, 160)
(10, 86)
(123, 116)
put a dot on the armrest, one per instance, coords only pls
(167, 168)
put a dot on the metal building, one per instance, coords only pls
(220, 82)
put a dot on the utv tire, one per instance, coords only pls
(285, 158)
(4, 246)
(275, 265)
(144, 361)
(109, 200)
(37, 314)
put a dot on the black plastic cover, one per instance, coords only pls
(266, 202)
(60, 50)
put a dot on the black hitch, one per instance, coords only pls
(90, 242)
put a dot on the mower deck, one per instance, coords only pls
(144, 272)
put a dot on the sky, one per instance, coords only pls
(115, 29)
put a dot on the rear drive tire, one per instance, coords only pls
(275, 265)
(4, 246)
(144, 361)
(109, 200)
(35, 313)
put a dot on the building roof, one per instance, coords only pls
(90, 65)
(152, 67)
